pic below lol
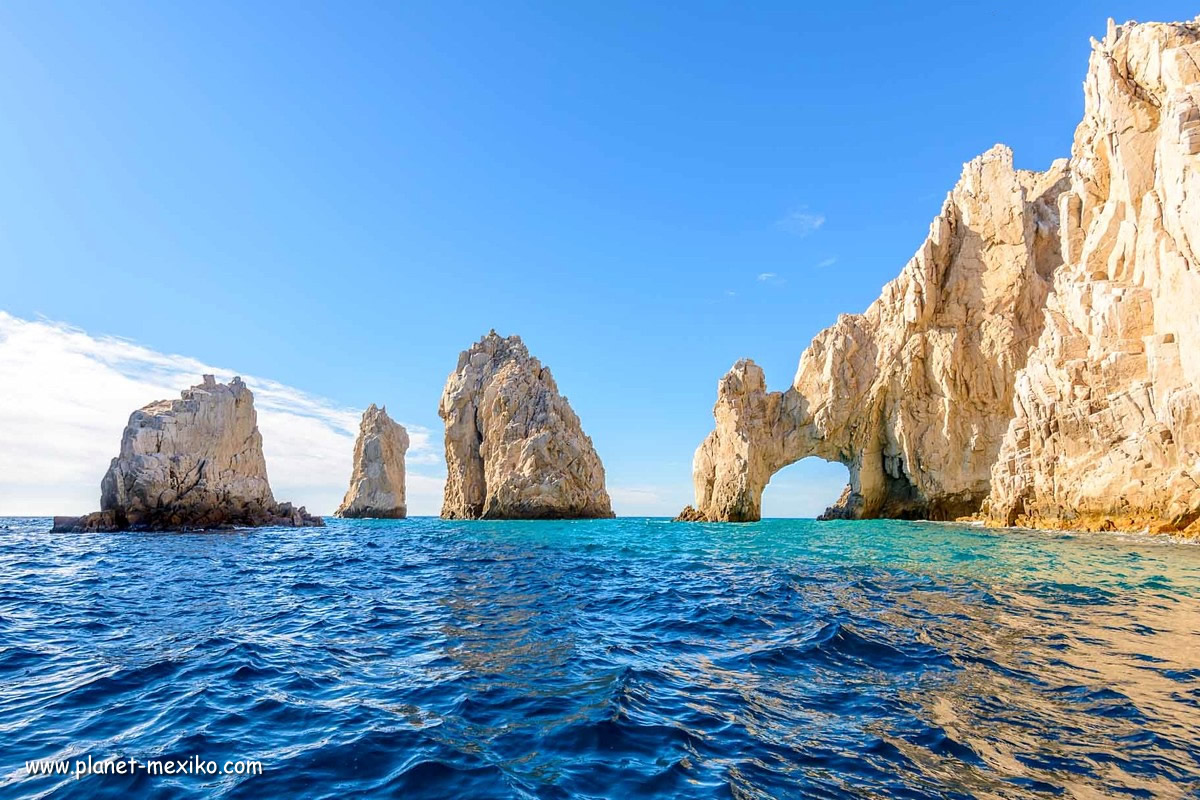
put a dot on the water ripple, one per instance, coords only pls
(616, 658)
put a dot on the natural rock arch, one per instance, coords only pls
(914, 395)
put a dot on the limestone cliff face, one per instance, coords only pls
(196, 462)
(514, 447)
(1107, 425)
(915, 394)
(377, 481)
(1040, 354)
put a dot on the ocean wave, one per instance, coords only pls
(618, 658)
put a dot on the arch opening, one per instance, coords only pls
(804, 489)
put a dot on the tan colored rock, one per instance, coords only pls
(377, 481)
(196, 462)
(1078, 408)
(915, 394)
(514, 447)
(1107, 425)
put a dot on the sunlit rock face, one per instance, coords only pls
(1038, 359)
(195, 462)
(1107, 426)
(915, 394)
(377, 481)
(514, 447)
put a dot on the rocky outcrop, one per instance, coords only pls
(915, 394)
(196, 462)
(514, 447)
(1039, 358)
(1106, 432)
(377, 482)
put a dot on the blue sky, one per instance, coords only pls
(341, 197)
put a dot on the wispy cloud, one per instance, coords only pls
(801, 222)
(68, 395)
(771, 277)
(649, 501)
(829, 262)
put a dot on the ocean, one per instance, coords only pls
(600, 659)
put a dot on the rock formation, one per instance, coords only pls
(196, 462)
(1107, 426)
(1045, 371)
(914, 395)
(377, 482)
(514, 447)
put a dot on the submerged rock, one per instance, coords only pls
(377, 482)
(196, 462)
(514, 447)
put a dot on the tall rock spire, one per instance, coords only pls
(377, 482)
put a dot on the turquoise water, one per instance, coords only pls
(613, 658)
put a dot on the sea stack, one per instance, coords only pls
(191, 463)
(514, 447)
(377, 482)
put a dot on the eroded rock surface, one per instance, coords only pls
(195, 462)
(377, 481)
(915, 394)
(1107, 426)
(969, 381)
(514, 447)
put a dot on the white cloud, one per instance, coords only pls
(772, 278)
(829, 262)
(67, 396)
(766, 276)
(801, 222)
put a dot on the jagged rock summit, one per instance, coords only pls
(1106, 433)
(195, 462)
(1039, 358)
(514, 447)
(377, 482)
(915, 394)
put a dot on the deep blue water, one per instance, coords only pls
(616, 658)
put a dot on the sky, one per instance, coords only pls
(334, 199)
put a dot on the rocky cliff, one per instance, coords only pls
(1106, 432)
(1038, 357)
(377, 481)
(915, 394)
(514, 447)
(196, 462)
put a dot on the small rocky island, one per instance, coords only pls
(377, 482)
(514, 447)
(192, 463)
(1037, 362)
